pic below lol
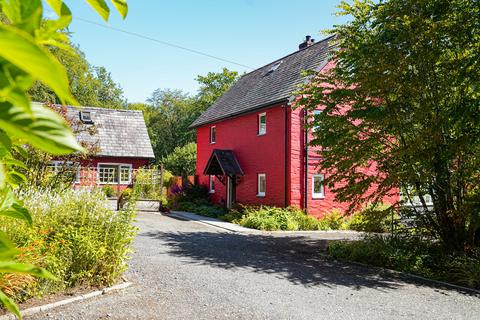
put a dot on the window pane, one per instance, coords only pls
(317, 189)
(262, 124)
(315, 113)
(213, 134)
(261, 184)
(125, 174)
(212, 184)
(108, 173)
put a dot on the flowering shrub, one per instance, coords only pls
(75, 236)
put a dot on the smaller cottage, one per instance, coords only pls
(120, 142)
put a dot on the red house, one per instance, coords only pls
(252, 146)
(121, 142)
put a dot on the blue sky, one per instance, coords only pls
(250, 32)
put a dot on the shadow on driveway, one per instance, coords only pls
(297, 259)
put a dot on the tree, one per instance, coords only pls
(169, 113)
(213, 86)
(182, 161)
(90, 85)
(24, 60)
(403, 97)
(168, 118)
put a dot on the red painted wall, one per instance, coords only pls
(255, 154)
(89, 176)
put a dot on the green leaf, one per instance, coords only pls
(10, 305)
(44, 129)
(101, 7)
(21, 150)
(14, 162)
(11, 207)
(63, 12)
(3, 176)
(5, 140)
(121, 6)
(20, 49)
(15, 267)
(7, 249)
(12, 9)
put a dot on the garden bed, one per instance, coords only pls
(75, 236)
(413, 255)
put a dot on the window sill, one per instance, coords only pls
(318, 197)
(261, 195)
(115, 183)
(212, 142)
(261, 134)
(211, 192)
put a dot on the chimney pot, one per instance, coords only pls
(307, 43)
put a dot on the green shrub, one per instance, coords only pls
(196, 199)
(412, 255)
(273, 218)
(372, 219)
(109, 191)
(75, 236)
(333, 220)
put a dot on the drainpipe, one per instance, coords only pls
(306, 160)
(286, 157)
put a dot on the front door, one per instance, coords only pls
(230, 192)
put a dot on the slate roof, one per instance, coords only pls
(263, 87)
(119, 133)
(223, 162)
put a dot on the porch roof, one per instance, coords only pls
(223, 162)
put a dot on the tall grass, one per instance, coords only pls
(75, 236)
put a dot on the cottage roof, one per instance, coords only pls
(118, 133)
(276, 82)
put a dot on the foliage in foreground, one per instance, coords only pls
(409, 254)
(24, 38)
(403, 98)
(75, 236)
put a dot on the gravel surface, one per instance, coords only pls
(188, 270)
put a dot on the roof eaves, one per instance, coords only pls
(236, 114)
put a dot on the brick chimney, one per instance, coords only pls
(307, 43)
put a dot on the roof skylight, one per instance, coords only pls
(274, 66)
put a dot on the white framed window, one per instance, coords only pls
(213, 134)
(211, 184)
(318, 190)
(261, 184)
(262, 124)
(316, 113)
(114, 173)
(65, 167)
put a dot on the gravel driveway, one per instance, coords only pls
(187, 270)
